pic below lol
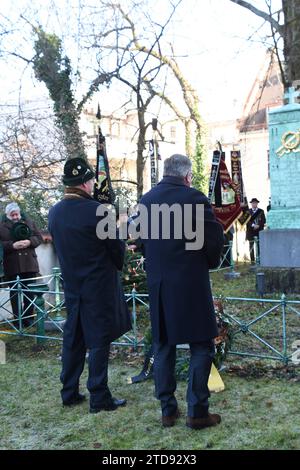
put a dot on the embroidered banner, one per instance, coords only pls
(153, 164)
(237, 179)
(214, 174)
(230, 209)
(103, 191)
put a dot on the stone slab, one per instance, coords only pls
(280, 248)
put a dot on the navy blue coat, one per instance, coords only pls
(89, 268)
(181, 303)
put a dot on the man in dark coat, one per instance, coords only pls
(255, 224)
(96, 307)
(181, 304)
(19, 258)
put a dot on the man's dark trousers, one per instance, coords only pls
(252, 248)
(202, 355)
(73, 359)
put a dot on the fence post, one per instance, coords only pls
(133, 293)
(56, 277)
(39, 302)
(257, 256)
(284, 340)
(19, 293)
(231, 256)
(232, 274)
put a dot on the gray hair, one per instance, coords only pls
(12, 206)
(177, 165)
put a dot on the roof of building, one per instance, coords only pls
(266, 92)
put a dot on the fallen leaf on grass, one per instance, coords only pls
(97, 445)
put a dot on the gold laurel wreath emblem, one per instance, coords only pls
(290, 141)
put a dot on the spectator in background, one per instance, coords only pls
(254, 226)
(19, 237)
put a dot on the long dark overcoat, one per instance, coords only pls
(181, 303)
(89, 266)
(258, 218)
(22, 260)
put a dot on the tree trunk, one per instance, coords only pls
(291, 37)
(188, 137)
(141, 144)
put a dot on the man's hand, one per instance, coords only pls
(22, 244)
(256, 227)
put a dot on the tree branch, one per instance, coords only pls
(260, 13)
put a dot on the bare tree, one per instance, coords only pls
(31, 153)
(285, 24)
(138, 63)
(145, 71)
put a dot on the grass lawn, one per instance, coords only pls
(257, 412)
(259, 407)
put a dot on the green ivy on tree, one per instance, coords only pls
(199, 180)
(54, 70)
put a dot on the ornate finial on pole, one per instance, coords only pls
(103, 191)
(98, 115)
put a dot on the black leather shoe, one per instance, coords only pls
(75, 401)
(112, 405)
(169, 421)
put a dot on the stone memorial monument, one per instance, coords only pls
(280, 243)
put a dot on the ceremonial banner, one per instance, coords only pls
(153, 167)
(245, 217)
(237, 179)
(103, 191)
(236, 174)
(230, 208)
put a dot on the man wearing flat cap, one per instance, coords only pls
(96, 308)
(254, 226)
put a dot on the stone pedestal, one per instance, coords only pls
(281, 280)
(280, 243)
(50, 326)
(280, 248)
(280, 260)
(284, 135)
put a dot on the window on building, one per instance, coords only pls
(115, 129)
(173, 132)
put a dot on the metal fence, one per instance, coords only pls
(227, 259)
(261, 328)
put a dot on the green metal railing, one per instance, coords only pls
(44, 309)
(227, 261)
(277, 314)
(269, 326)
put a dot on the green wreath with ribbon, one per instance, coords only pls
(20, 231)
